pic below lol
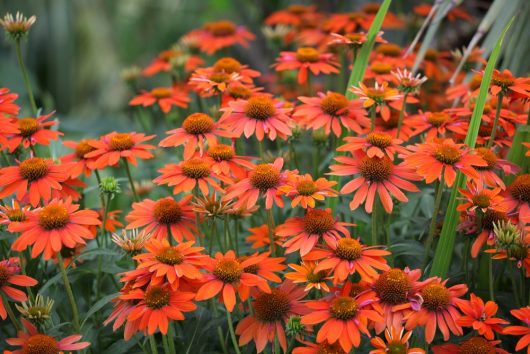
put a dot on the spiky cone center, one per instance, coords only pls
(306, 188)
(376, 94)
(389, 50)
(272, 307)
(371, 8)
(228, 270)
(297, 9)
(520, 188)
(381, 140)
(326, 348)
(317, 277)
(518, 251)
(393, 286)
(356, 289)
(356, 16)
(477, 345)
(83, 148)
(475, 82)
(53, 216)
(221, 28)
(260, 107)
(4, 275)
(334, 102)
(198, 123)
(375, 169)
(16, 215)
(502, 79)
(161, 92)
(195, 168)
(492, 217)
(219, 77)
(435, 297)
(396, 347)
(481, 200)
(228, 65)
(349, 249)
(431, 55)
(156, 297)
(27, 126)
(121, 142)
(487, 155)
(221, 152)
(307, 55)
(170, 256)
(354, 37)
(40, 344)
(436, 119)
(318, 221)
(37, 313)
(33, 169)
(265, 177)
(381, 68)
(344, 308)
(239, 91)
(447, 154)
(167, 211)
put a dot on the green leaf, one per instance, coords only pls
(98, 306)
(444, 250)
(517, 151)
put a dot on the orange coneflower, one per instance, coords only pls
(480, 316)
(226, 162)
(8, 128)
(347, 22)
(271, 311)
(7, 103)
(471, 345)
(9, 275)
(307, 59)
(331, 111)
(266, 266)
(319, 348)
(259, 237)
(196, 129)
(396, 340)
(164, 216)
(375, 144)
(522, 314)
(489, 174)
(378, 96)
(527, 145)
(13, 213)
(477, 197)
(441, 159)
(56, 225)
(292, 15)
(355, 40)
(348, 256)
(305, 232)
(504, 82)
(34, 178)
(33, 131)
(80, 163)
(157, 305)
(165, 97)
(438, 310)
(304, 191)
(227, 274)
(113, 146)
(190, 173)
(435, 124)
(207, 82)
(32, 341)
(260, 115)
(214, 36)
(381, 71)
(345, 317)
(111, 221)
(265, 180)
(375, 175)
(304, 273)
(518, 197)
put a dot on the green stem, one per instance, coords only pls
(170, 338)
(236, 234)
(490, 278)
(98, 178)
(10, 312)
(69, 293)
(26, 77)
(402, 114)
(315, 161)
(133, 189)
(496, 120)
(374, 221)
(152, 343)
(232, 333)
(270, 224)
(372, 118)
(165, 344)
(434, 222)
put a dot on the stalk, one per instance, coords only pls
(129, 176)
(152, 343)
(500, 96)
(372, 118)
(10, 312)
(490, 279)
(432, 227)
(26, 77)
(69, 293)
(232, 333)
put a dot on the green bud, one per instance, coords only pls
(109, 186)
(294, 326)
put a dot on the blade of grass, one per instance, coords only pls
(444, 250)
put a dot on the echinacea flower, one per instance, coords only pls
(266, 267)
(165, 97)
(58, 224)
(8, 107)
(505, 83)
(163, 216)
(435, 124)
(226, 275)
(482, 199)
(17, 26)
(518, 197)
(9, 276)
(32, 341)
(33, 178)
(522, 314)
(406, 80)
(196, 129)
(305, 192)
(375, 144)
(348, 256)
(80, 163)
(489, 175)
(479, 316)
(207, 82)
(345, 317)
(259, 237)
(441, 159)
(214, 36)
(377, 97)
(331, 111)
(347, 22)
(13, 213)
(37, 311)
(264, 180)
(113, 146)
(271, 311)
(396, 340)
(304, 273)
(354, 40)
(33, 131)
(260, 115)
(226, 162)
(292, 15)
(438, 310)
(305, 60)
(471, 345)
(157, 305)
(303, 233)
(375, 175)
(131, 241)
(319, 348)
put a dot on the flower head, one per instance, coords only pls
(479, 316)
(395, 341)
(214, 36)
(378, 96)
(165, 97)
(131, 241)
(307, 59)
(17, 26)
(9, 276)
(305, 192)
